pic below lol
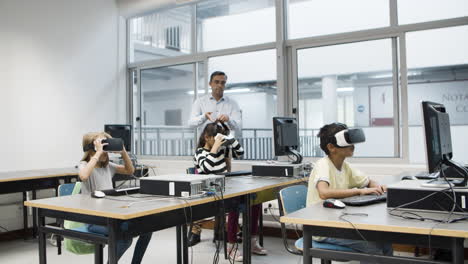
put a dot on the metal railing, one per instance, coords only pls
(180, 141)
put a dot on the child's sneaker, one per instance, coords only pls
(257, 249)
(235, 253)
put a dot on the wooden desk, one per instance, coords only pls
(156, 213)
(377, 226)
(33, 180)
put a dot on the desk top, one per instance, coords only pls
(133, 206)
(377, 220)
(10, 176)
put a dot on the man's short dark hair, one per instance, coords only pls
(217, 73)
(327, 135)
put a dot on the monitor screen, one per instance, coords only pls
(437, 133)
(285, 135)
(121, 131)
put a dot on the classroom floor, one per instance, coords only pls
(162, 249)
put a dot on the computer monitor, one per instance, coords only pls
(437, 134)
(286, 137)
(438, 140)
(121, 131)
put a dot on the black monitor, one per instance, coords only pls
(438, 140)
(286, 137)
(121, 131)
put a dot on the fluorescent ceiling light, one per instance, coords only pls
(345, 89)
(199, 92)
(385, 75)
(242, 90)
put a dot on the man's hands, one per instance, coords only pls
(209, 117)
(222, 118)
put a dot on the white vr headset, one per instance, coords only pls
(349, 137)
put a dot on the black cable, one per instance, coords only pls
(343, 214)
(5, 230)
(187, 221)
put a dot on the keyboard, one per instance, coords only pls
(361, 200)
(237, 173)
(122, 191)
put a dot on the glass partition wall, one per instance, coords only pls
(366, 64)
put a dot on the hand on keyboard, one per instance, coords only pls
(376, 190)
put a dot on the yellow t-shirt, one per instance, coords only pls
(325, 170)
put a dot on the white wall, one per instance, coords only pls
(59, 75)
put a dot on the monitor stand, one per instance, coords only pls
(441, 183)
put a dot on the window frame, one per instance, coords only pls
(286, 51)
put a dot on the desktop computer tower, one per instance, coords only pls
(408, 191)
(181, 185)
(277, 169)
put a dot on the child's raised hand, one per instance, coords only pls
(219, 140)
(98, 145)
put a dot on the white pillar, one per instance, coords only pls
(329, 99)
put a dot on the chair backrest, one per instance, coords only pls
(67, 188)
(192, 170)
(292, 199)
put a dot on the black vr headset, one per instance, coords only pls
(114, 144)
(349, 137)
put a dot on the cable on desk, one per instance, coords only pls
(3, 228)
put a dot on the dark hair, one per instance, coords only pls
(211, 130)
(327, 135)
(216, 73)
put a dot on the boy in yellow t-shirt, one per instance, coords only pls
(333, 177)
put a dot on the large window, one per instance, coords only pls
(414, 11)
(438, 72)
(234, 23)
(166, 97)
(160, 35)
(324, 17)
(336, 84)
(335, 61)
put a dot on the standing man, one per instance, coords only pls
(208, 109)
(216, 107)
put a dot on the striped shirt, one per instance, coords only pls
(209, 163)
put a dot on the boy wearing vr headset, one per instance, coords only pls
(333, 177)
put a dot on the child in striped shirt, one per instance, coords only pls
(212, 157)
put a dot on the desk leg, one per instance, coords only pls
(307, 244)
(185, 244)
(457, 250)
(260, 226)
(25, 217)
(112, 243)
(42, 240)
(179, 244)
(34, 212)
(246, 236)
(98, 254)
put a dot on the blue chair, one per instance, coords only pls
(291, 199)
(64, 190)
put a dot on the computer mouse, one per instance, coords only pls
(98, 194)
(408, 177)
(333, 203)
